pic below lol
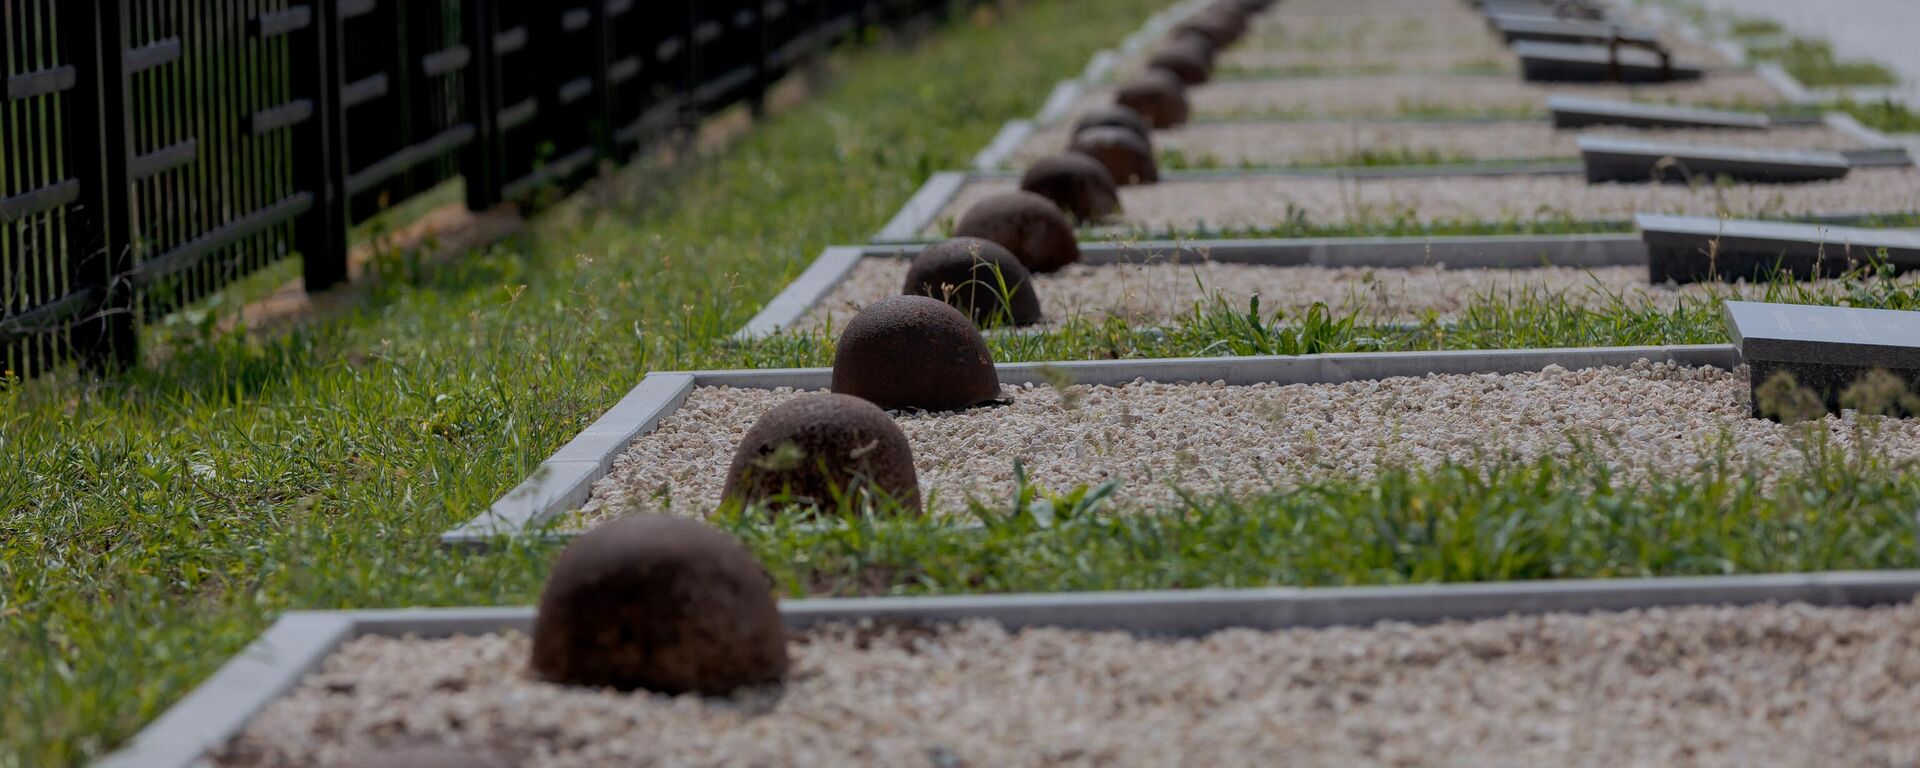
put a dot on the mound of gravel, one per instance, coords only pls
(1789, 685)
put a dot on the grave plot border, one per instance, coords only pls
(835, 264)
(299, 642)
(565, 480)
(924, 207)
(1878, 149)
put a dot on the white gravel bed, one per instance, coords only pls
(1161, 292)
(1209, 438)
(1203, 206)
(1435, 40)
(1791, 685)
(1391, 95)
(1345, 142)
(1384, 11)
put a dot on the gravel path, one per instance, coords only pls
(1157, 293)
(1204, 206)
(1418, 95)
(1250, 439)
(1789, 685)
(1232, 144)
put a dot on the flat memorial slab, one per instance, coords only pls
(1611, 159)
(1825, 349)
(1577, 112)
(1689, 249)
(1516, 28)
(1576, 63)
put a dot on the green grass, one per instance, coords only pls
(1884, 115)
(1518, 319)
(1544, 519)
(157, 522)
(1813, 63)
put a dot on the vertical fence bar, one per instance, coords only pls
(320, 235)
(99, 247)
(480, 161)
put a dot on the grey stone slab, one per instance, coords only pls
(1576, 63)
(299, 643)
(1517, 28)
(1687, 249)
(1610, 159)
(1825, 349)
(1578, 112)
(1803, 333)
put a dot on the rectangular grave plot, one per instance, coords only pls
(299, 643)
(1688, 249)
(1609, 160)
(1574, 63)
(1575, 112)
(1827, 350)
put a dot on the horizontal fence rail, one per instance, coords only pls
(154, 151)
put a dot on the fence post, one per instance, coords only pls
(94, 35)
(320, 235)
(480, 162)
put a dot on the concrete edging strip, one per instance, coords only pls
(300, 642)
(564, 480)
(562, 485)
(920, 210)
(1004, 145)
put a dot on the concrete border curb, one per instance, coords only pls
(299, 642)
(564, 481)
(835, 264)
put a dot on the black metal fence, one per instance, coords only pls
(153, 151)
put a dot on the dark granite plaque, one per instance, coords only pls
(1542, 9)
(1826, 349)
(1609, 159)
(1515, 29)
(1687, 249)
(1576, 112)
(1576, 63)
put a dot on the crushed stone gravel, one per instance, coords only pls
(1198, 206)
(1705, 687)
(1391, 95)
(1232, 144)
(1212, 438)
(1161, 292)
